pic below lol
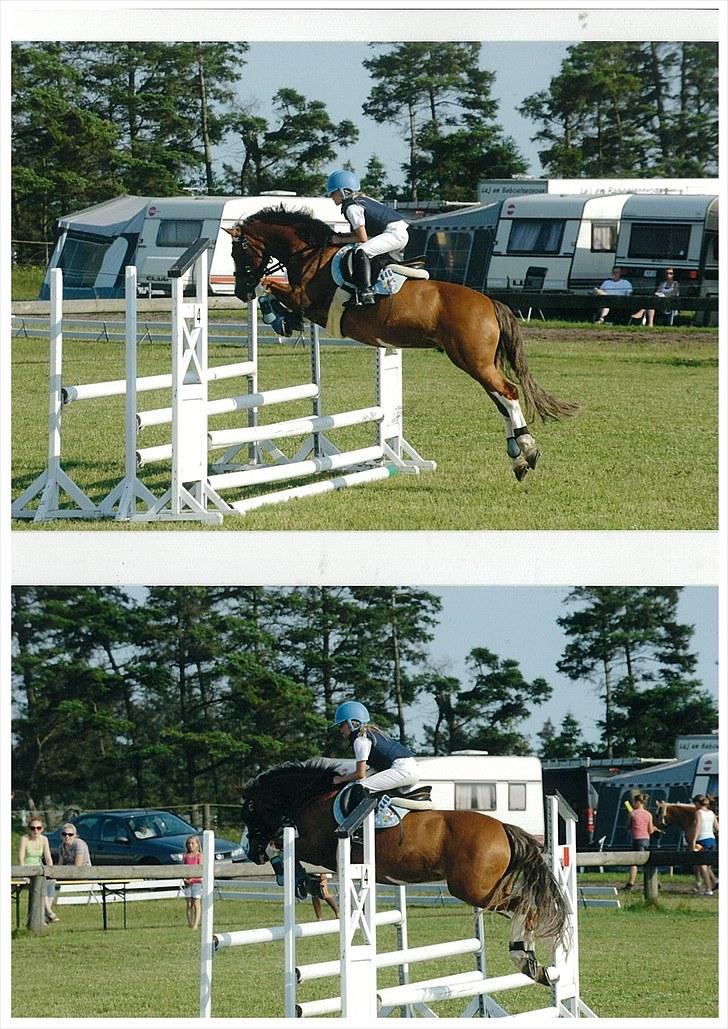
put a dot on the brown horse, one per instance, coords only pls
(480, 336)
(480, 858)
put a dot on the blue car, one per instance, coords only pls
(139, 836)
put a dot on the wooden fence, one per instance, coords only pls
(651, 860)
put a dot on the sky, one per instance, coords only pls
(334, 74)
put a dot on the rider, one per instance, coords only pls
(394, 765)
(376, 229)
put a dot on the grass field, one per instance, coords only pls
(641, 454)
(636, 962)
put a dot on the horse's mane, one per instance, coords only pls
(290, 787)
(310, 229)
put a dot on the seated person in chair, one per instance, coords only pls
(376, 229)
(669, 288)
(616, 286)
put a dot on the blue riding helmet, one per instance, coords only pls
(351, 711)
(342, 180)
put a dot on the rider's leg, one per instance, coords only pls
(362, 272)
(403, 772)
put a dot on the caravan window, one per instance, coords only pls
(516, 796)
(475, 796)
(178, 232)
(604, 237)
(531, 236)
(446, 255)
(665, 242)
(81, 258)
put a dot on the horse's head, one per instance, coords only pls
(250, 260)
(274, 232)
(276, 798)
(663, 817)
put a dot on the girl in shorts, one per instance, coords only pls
(193, 885)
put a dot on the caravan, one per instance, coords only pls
(532, 242)
(94, 246)
(508, 788)
(562, 243)
(680, 232)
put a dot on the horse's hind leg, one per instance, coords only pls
(520, 444)
(522, 952)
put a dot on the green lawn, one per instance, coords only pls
(635, 962)
(641, 454)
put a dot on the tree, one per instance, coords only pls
(626, 640)
(63, 155)
(293, 154)
(374, 182)
(568, 743)
(644, 109)
(94, 120)
(486, 716)
(441, 100)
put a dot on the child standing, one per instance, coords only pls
(193, 886)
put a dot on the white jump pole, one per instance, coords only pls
(52, 482)
(207, 947)
(130, 490)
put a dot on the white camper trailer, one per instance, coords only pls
(679, 232)
(508, 788)
(553, 242)
(94, 246)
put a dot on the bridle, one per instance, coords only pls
(248, 277)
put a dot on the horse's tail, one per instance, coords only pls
(511, 356)
(537, 896)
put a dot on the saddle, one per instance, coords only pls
(391, 807)
(384, 268)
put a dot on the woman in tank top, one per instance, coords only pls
(35, 851)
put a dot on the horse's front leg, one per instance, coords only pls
(292, 297)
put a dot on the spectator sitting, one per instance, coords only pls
(72, 850)
(616, 286)
(669, 288)
(142, 829)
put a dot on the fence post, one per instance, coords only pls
(36, 902)
(651, 881)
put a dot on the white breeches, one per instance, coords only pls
(402, 773)
(394, 237)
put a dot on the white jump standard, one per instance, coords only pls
(196, 484)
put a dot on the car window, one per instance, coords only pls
(88, 827)
(167, 824)
(112, 829)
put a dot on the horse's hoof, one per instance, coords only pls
(532, 455)
(528, 448)
(520, 467)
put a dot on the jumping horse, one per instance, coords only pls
(486, 863)
(480, 336)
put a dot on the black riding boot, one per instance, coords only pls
(362, 272)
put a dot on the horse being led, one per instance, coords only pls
(480, 336)
(485, 863)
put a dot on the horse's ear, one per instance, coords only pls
(234, 232)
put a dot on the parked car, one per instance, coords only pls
(139, 836)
